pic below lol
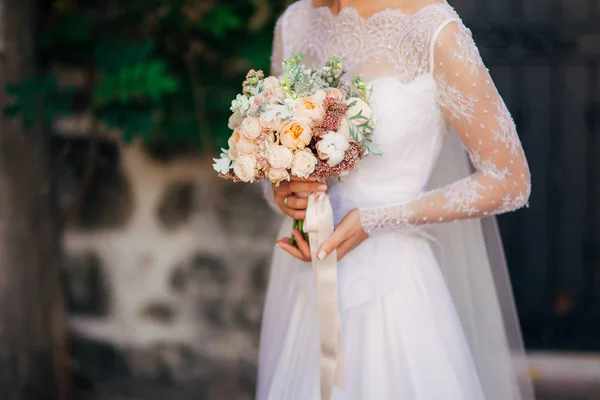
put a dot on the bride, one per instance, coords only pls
(426, 307)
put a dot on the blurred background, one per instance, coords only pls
(129, 271)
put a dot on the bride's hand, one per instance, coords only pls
(292, 197)
(348, 235)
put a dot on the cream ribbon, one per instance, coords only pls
(319, 226)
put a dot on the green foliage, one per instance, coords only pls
(157, 70)
(38, 100)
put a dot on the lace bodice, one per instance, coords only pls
(429, 80)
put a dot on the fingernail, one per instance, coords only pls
(321, 256)
(323, 187)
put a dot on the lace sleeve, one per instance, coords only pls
(276, 60)
(478, 115)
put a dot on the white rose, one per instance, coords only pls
(359, 107)
(245, 168)
(304, 164)
(276, 175)
(235, 120)
(251, 128)
(280, 157)
(332, 148)
(345, 129)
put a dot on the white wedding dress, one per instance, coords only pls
(413, 327)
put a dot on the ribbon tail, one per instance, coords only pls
(319, 226)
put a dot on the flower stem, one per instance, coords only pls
(292, 238)
(298, 224)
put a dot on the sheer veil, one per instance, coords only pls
(471, 257)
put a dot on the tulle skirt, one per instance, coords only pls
(404, 342)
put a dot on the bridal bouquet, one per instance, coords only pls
(308, 122)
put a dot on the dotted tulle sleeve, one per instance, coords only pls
(478, 115)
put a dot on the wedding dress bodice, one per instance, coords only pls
(428, 80)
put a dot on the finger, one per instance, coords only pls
(344, 248)
(285, 245)
(283, 187)
(310, 178)
(295, 214)
(332, 243)
(311, 187)
(280, 198)
(302, 243)
(296, 203)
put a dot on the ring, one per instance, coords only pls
(285, 201)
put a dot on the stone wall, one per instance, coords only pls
(165, 274)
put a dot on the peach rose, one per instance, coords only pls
(276, 175)
(319, 95)
(232, 153)
(280, 157)
(250, 128)
(310, 108)
(274, 125)
(295, 134)
(244, 168)
(240, 145)
(304, 164)
(337, 94)
(235, 120)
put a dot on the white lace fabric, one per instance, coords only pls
(434, 42)
(478, 115)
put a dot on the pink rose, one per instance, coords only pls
(280, 157)
(295, 135)
(244, 168)
(277, 175)
(250, 128)
(258, 101)
(273, 86)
